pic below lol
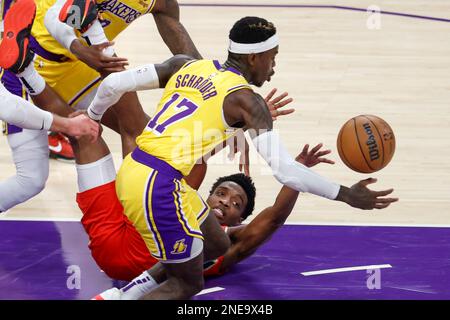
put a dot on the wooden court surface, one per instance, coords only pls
(335, 67)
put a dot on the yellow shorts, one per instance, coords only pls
(165, 210)
(71, 79)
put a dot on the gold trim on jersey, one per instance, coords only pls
(151, 6)
(83, 92)
(150, 219)
(179, 210)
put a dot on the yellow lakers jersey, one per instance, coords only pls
(115, 16)
(189, 120)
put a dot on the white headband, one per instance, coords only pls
(247, 48)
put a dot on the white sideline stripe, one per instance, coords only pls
(330, 224)
(11, 218)
(210, 290)
(371, 267)
(349, 224)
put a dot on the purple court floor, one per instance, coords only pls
(50, 260)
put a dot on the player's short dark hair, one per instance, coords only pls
(246, 183)
(252, 30)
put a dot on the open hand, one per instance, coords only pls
(314, 156)
(359, 196)
(278, 102)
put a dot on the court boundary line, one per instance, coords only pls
(345, 269)
(305, 6)
(293, 223)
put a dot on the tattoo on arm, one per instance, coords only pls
(256, 115)
(173, 32)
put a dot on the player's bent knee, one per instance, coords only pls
(32, 185)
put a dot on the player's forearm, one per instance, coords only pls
(173, 32)
(117, 84)
(291, 173)
(22, 113)
(284, 204)
(63, 33)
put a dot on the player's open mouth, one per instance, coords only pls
(218, 212)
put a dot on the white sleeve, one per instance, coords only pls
(22, 113)
(117, 84)
(63, 33)
(289, 172)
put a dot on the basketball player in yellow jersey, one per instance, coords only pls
(74, 69)
(202, 104)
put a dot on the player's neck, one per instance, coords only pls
(238, 65)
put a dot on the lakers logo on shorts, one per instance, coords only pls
(179, 247)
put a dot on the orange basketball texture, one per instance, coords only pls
(366, 143)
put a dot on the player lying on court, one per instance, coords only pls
(203, 103)
(231, 199)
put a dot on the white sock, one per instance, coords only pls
(96, 35)
(96, 173)
(139, 287)
(32, 80)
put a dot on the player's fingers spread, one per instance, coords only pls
(386, 200)
(368, 181)
(323, 153)
(327, 161)
(316, 148)
(281, 104)
(280, 97)
(270, 95)
(382, 206)
(383, 192)
(305, 149)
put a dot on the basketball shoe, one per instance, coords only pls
(15, 53)
(86, 11)
(110, 294)
(59, 146)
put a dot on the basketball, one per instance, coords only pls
(366, 143)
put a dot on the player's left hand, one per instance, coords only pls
(314, 156)
(278, 102)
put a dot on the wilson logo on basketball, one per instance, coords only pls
(371, 143)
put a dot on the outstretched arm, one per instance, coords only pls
(177, 39)
(248, 108)
(150, 76)
(246, 239)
